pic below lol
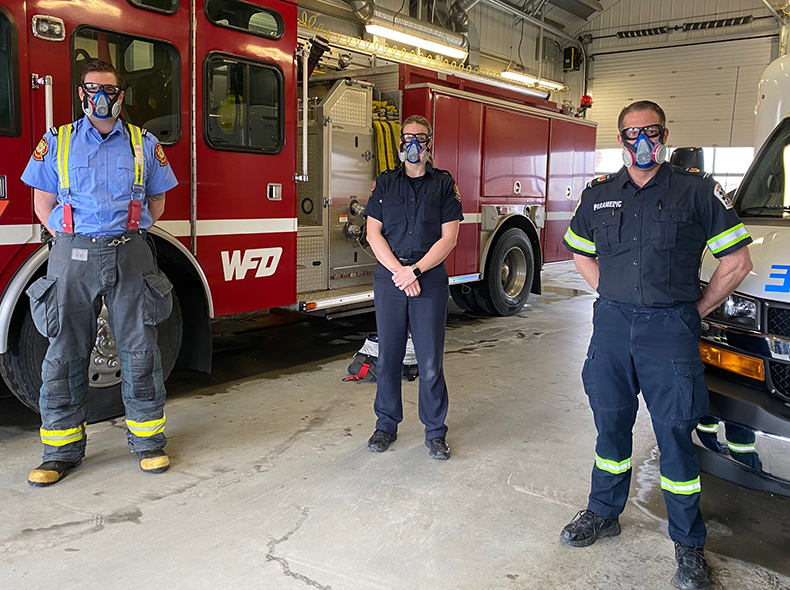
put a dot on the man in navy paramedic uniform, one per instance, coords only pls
(99, 184)
(637, 237)
(413, 215)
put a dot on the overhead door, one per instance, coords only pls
(708, 91)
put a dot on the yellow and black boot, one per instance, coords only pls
(155, 461)
(50, 472)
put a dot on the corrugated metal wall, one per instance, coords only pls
(707, 91)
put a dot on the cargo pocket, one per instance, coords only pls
(158, 297)
(44, 306)
(588, 376)
(691, 392)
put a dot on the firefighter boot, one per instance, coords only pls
(692, 573)
(586, 527)
(155, 461)
(50, 472)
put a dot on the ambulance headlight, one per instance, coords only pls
(738, 311)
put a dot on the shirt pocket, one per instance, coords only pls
(393, 210)
(668, 224)
(606, 230)
(82, 176)
(432, 208)
(121, 182)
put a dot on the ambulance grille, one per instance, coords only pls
(780, 378)
(779, 321)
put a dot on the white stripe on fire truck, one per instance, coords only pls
(228, 227)
(11, 235)
(559, 215)
(471, 218)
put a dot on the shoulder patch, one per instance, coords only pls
(159, 153)
(719, 193)
(600, 180)
(372, 189)
(41, 150)
(457, 194)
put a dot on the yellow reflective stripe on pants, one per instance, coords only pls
(59, 438)
(612, 466)
(681, 487)
(149, 428)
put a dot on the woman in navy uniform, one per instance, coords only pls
(413, 215)
(637, 237)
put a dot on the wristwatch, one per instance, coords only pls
(417, 272)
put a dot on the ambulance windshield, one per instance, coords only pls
(765, 192)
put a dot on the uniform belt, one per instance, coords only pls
(112, 241)
(408, 261)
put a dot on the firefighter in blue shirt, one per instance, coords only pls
(637, 237)
(99, 184)
(413, 215)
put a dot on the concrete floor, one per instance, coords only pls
(271, 486)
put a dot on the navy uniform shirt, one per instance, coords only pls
(649, 241)
(412, 212)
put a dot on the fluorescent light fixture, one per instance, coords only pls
(531, 80)
(433, 46)
(519, 77)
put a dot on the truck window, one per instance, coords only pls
(151, 76)
(9, 89)
(766, 191)
(166, 6)
(243, 105)
(243, 16)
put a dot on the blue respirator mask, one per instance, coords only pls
(413, 151)
(101, 104)
(645, 152)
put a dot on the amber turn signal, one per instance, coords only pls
(732, 361)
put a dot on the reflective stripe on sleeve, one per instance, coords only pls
(739, 448)
(579, 243)
(684, 488)
(144, 429)
(710, 428)
(728, 238)
(612, 466)
(59, 438)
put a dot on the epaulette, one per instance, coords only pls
(143, 131)
(695, 172)
(442, 171)
(601, 180)
(53, 131)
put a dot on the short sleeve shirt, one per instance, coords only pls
(101, 176)
(649, 240)
(412, 214)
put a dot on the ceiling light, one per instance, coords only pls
(433, 46)
(519, 77)
(551, 85)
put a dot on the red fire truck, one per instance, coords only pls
(254, 225)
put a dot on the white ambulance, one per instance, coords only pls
(746, 341)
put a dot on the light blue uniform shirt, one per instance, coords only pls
(101, 176)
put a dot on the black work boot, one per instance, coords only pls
(586, 527)
(692, 571)
(438, 448)
(381, 441)
(50, 472)
(155, 461)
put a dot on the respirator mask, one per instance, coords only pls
(644, 153)
(414, 147)
(101, 100)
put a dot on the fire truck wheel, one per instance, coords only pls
(464, 297)
(511, 266)
(21, 365)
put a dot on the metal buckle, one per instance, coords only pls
(118, 241)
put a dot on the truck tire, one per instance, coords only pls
(509, 272)
(20, 366)
(464, 297)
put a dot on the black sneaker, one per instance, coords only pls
(692, 571)
(586, 527)
(50, 472)
(381, 441)
(438, 448)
